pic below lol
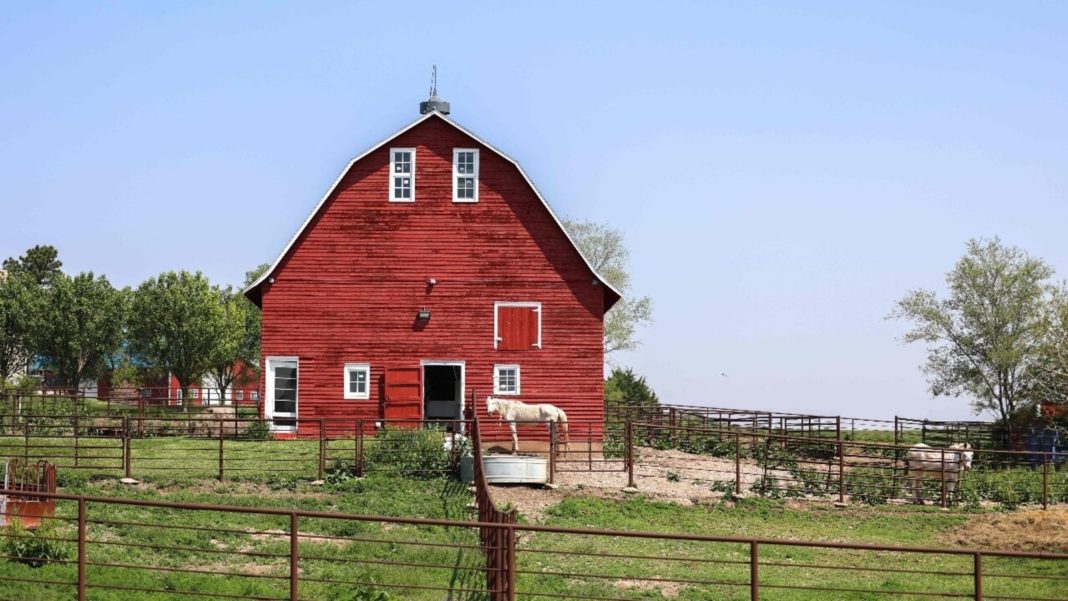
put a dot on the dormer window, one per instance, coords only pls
(465, 175)
(402, 175)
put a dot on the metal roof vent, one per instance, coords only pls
(434, 103)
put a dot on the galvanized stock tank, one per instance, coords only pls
(515, 469)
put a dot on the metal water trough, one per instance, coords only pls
(515, 469)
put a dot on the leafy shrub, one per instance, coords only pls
(258, 430)
(673, 477)
(33, 548)
(411, 453)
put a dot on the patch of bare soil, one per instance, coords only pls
(667, 590)
(662, 475)
(1026, 530)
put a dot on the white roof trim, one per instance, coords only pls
(382, 143)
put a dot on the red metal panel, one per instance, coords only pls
(403, 393)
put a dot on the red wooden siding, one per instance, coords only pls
(349, 289)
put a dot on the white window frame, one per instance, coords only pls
(392, 188)
(240, 395)
(357, 396)
(497, 379)
(456, 174)
(194, 393)
(496, 318)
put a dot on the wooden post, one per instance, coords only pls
(294, 557)
(81, 549)
(754, 571)
(977, 572)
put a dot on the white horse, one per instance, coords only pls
(924, 461)
(513, 411)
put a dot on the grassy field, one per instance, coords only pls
(279, 474)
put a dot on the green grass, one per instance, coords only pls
(278, 474)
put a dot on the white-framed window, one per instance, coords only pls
(516, 325)
(194, 393)
(465, 175)
(255, 395)
(402, 175)
(357, 381)
(240, 395)
(505, 379)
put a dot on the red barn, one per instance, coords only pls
(430, 268)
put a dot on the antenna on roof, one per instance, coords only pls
(433, 103)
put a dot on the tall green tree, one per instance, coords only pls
(174, 321)
(623, 387)
(985, 336)
(606, 251)
(254, 327)
(20, 302)
(1051, 373)
(41, 263)
(236, 349)
(81, 325)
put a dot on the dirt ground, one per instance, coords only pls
(1027, 530)
(663, 475)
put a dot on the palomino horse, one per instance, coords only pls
(924, 461)
(513, 411)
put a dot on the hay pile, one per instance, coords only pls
(1028, 530)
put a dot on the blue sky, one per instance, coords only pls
(782, 172)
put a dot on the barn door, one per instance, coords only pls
(518, 326)
(403, 394)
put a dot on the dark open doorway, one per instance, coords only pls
(443, 392)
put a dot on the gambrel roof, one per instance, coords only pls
(611, 294)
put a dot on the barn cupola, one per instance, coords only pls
(433, 103)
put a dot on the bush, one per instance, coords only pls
(33, 548)
(258, 430)
(411, 453)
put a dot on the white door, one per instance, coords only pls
(281, 402)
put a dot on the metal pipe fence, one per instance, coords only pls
(114, 548)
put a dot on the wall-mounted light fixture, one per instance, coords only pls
(431, 281)
(423, 315)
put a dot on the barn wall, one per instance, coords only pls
(349, 289)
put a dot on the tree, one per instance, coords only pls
(1051, 377)
(603, 247)
(81, 325)
(253, 329)
(19, 309)
(985, 337)
(625, 388)
(174, 321)
(236, 349)
(41, 263)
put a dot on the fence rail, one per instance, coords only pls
(215, 551)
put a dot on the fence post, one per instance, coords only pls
(221, 453)
(76, 429)
(294, 558)
(26, 441)
(509, 577)
(841, 472)
(1045, 480)
(81, 549)
(754, 571)
(359, 448)
(552, 452)
(838, 428)
(589, 446)
(943, 470)
(737, 464)
(628, 452)
(322, 448)
(126, 460)
(977, 572)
